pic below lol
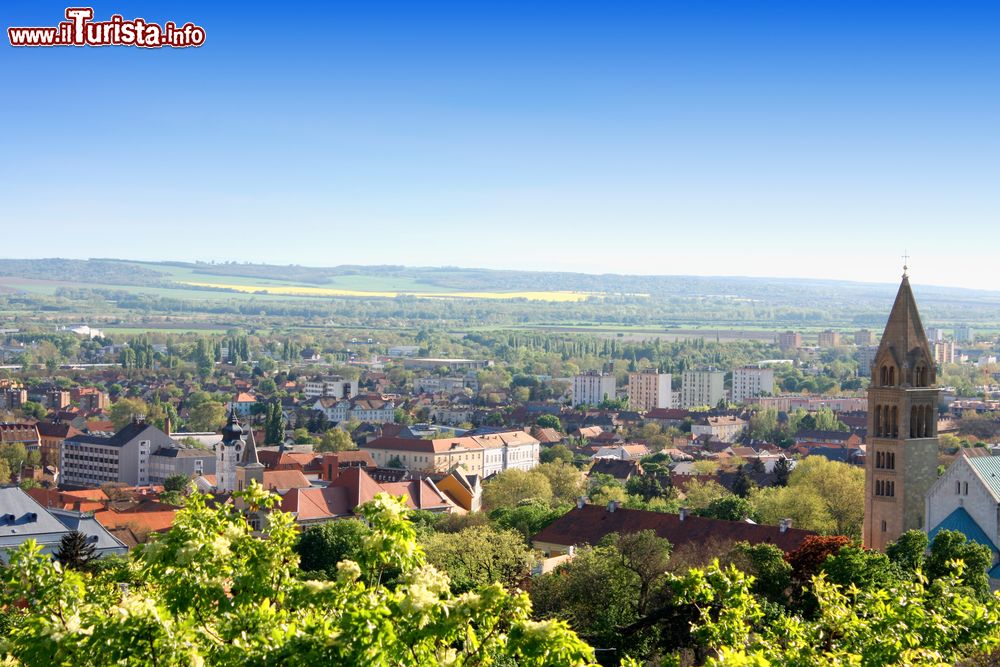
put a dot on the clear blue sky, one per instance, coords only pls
(803, 138)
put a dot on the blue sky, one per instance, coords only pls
(816, 139)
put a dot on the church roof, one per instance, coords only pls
(961, 521)
(988, 468)
(904, 333)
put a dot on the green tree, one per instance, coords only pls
(510, 487)
(556, 453)
(125, 410)
(206, 416)
(211, 592)
(729, 508)
(335, 440)
(953, 555)
(176, 483)
(527, 517)
(549, 421)
(75, 550)
(565, 480)
(322, 547)
(480, 555)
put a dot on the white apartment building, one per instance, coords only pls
(332, 387)
(592, 388)
(706, 387)
(751, 382)
(964, 334)
(866, 357)
(944, 351)
(648, 390)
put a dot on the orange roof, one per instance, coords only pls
(284, 479)
(244, 397)
(152, 521)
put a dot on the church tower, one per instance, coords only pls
(250, 468)
(228, 453)
(901, 461)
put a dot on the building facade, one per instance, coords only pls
(592, 388)
(752, 381)
(829, 338)
(901, 461)
(864, 337)
(124, 457)
(332, 386)
(648, 390)
(790, 340)
(705, 387)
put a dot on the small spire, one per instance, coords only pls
(906, 260)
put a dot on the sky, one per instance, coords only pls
(799, 139)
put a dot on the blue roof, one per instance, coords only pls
(961, 521)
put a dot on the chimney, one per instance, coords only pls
(683, 513)
(612, 506)
(784, 525)
(580, 502)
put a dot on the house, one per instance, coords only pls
(370, 408)
(243, 402)
(50, 437)
(848, 438)
(21, 434)
(621, 469)
(355, 487)
(22, 518)
(483, 453)
(463, 489)
(589, 524)
(725, 428)
(966, 498)
(622, 452)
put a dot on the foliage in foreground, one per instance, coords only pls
(209, 592)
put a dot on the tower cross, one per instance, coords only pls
(906, 260)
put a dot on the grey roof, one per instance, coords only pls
(22, 518)
(988, 468)
(183, 452)
(124, 436)
(89, 526)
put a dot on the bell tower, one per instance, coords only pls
(901, 461)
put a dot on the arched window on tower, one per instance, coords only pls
(878, 421)
(883, 376)
(914, 422)
(894, 420)
(892, 376)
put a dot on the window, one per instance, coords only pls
(883, 526)
(965, 488)
(958, 488)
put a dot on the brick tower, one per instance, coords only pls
(901, 462)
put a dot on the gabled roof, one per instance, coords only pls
(590, 523)
(125, 435)
(961, 521)
(988, 469)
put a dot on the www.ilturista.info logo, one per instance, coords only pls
(81, 30)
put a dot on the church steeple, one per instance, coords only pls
(901, 456)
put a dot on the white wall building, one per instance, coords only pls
(648, 390)
(752, 381)
(333, 387)
(592, 388)
(705, 387)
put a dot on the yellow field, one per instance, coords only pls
(330, 291)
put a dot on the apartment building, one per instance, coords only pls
(648, 390)
(702, 387)
(944, 351)
(829, 338)
(866, 356)
(331, 386)
(790, 340)
(361, 408)
(864, 337)
(484, 454)
(964, 334)
(94, 459)
(752, 381)
(592, 388)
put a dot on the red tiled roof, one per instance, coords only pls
(589, 524)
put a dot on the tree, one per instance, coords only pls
(125, 410)
(556, 453)
(908, 551)
(302, 436)
(729, 508)
(647, 556)
(212, 592)
(782, 471)
(512, 486)
(699, 495)
(646, 487)
(322, 547)
(527, 517)
(952, 554)
(335, 440)
(480, 555)
(567, 483)
(176, 483)
(75, 550)
(742, 485)
(206, 416)
(549, 421)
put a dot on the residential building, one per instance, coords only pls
(13, 397)
(901, 459)
(702, 387)
(722, 428)
(57, 399)
(21, 434)
(934, 334)
(403, 350)
(434, 384)
(792, 402)
(90, 399)
(866, 357)
(648, 390)
(367, 408)
(95, 459)
(242, 403)
(51, 436)
(592, 388)
(433, 363)
(829, 338)
(589, 524)
(484, 454)
(864, 337)
(790, 340)
(944, 351)
(22, 518)
(752, 381)
(331, 386)
(964, 334)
